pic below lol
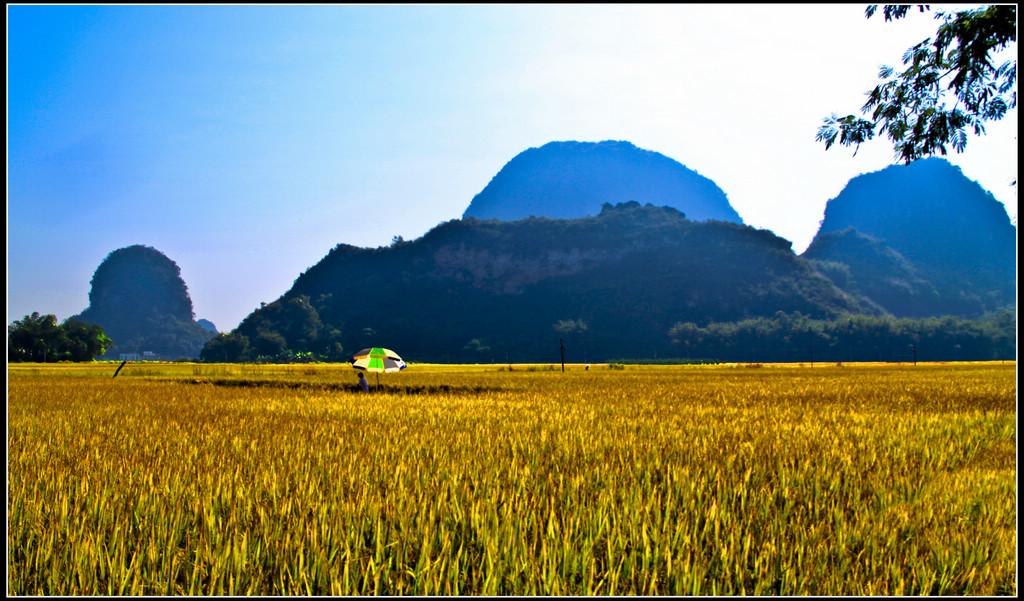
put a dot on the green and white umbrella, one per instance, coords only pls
(377, 359)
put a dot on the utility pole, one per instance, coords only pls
(561, 347)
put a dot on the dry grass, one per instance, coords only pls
(200, 479)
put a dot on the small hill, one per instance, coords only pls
(207, 325)
(574, 179)
(921, 240)
(510, 289)
(143, 305)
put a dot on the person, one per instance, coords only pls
(362, 383)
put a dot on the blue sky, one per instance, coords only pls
(245, 142)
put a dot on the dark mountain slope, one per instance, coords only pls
(954, 237)
(873, 271)
(574, 179)
(617, 282)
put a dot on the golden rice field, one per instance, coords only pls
(714, 480)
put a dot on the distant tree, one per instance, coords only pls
(476, 346)
(687, 334)
(84, 341)
(39, 338)
(289, 326)
(33, 338)
(570, 326)
(912, 106)
(226, 348)
(269, 344)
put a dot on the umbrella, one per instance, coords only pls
(377, 359)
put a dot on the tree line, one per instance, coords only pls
(39, 338)
(785, 338)
(796, 338)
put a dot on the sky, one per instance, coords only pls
(245, 142)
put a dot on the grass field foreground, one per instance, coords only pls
(226, 479)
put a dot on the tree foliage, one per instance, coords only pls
(284, 331)
(39, 338)
(226, 348)
(798, 338)
(950, 85)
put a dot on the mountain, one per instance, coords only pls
(207, 325)
(140, 300)
(874, 272)
(919, 240)
(478, 290)
(539, 260)
(574, 179)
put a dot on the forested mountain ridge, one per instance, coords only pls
(641, 280)
(950, 246)
(621, 279)
(574, 179)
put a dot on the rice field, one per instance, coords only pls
(189, 479)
